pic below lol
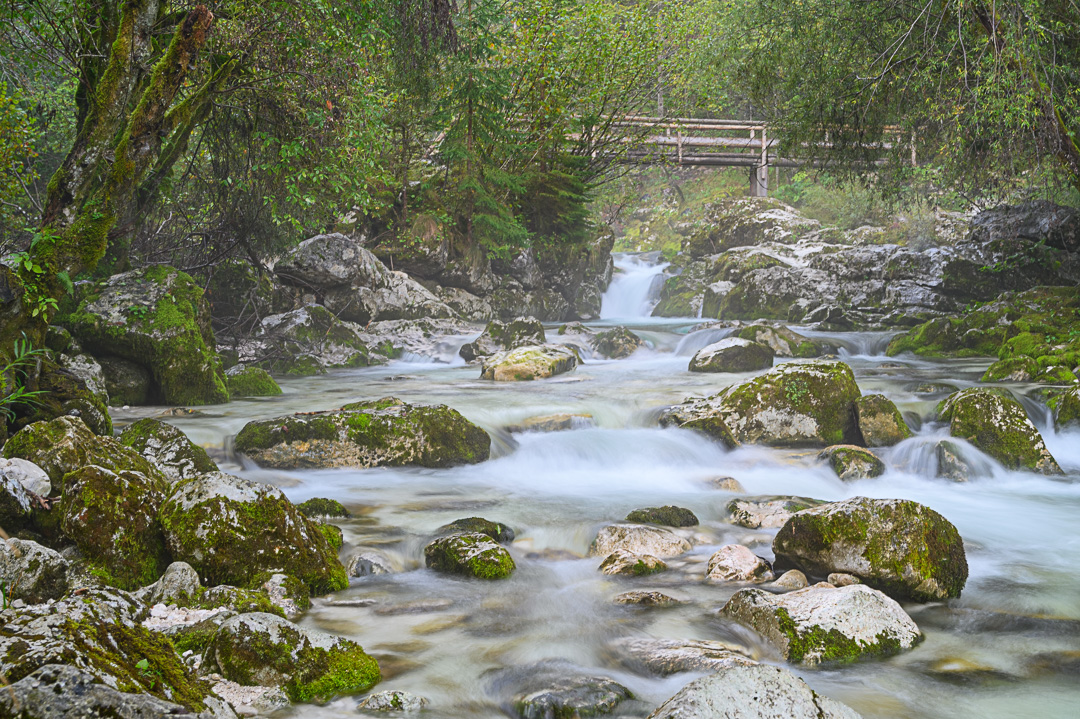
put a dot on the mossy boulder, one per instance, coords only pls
(496, 530)
(31, 572)
(112, 518)
(668, 515)
(1014, 369)
(529, 363)
(732, 354)
(156, 317)
(880, 422)
(782, 341)
(100, 632)
(1066, 408)
(323, 507)
(825, 624)
(65, 444)
(168, 448)
(231, 529)
(128, 383)
(66, 393)
(385, 433)
(616, 343)
(472, 554)
(499, 336)
(308, 341)
(997, 424)
(900, 547)
(792, 405)
(261, 649)
(247, 381)
(851, 462)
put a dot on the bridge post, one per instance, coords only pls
(759, 175)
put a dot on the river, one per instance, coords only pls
(989, 654)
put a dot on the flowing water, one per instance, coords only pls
(1009, 647)
(635, 286)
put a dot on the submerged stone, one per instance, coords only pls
(880, 422)
(473, 554)
(663, 657)
(616, 343)
(557, 689)
(247, 381)
(622, 562)
(732, 354)
(767, 512)
(638, 539)
(496, 530)
(499, 336)
(736, 563)
(851, 462)
(529, 363)
(381, 433)
(668, 516)
(905, 549)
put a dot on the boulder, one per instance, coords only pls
(997, 424)
(951, 463)
(851, 462)
(98, 632)
(87, 369)
(664, 657)
(823, 623)
(782, 341)
(465, 304)
(32, 477)
(622, 562)
(499, 336)
(401, 298)
(645, 599)
(245, 381)
(667, 516)
(1066, 407)
(472, 554)
(616, 343)
(261, 649)
(791, 579)
(323, 507)
(64, 444)
(157, 318)
(555, 688)
(529, 363)
(331, 261)
(392, 701)
(880, 422)
(231, 529)
(179, 585)
(732, 354)
(793, 405)
(168, 448)
(496, 530)
(31, 572)
(905, 549)
(433, 338)
(65, 393)
(368, 563)
(307, 341)
(127, 382)
(767, 512)
(381, 433)
(64, 692)
(758, 691)
(638, 539)
(15, 505)
(736, 563)
(112, 518)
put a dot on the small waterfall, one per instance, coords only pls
(635, 289)
(691, 343)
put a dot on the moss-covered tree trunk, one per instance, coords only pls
(128, 123)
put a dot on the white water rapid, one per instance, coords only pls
(635, 286)
(1007, 648)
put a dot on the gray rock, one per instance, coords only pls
(168, 448)
(663, 657)
(306, 341)
(622, 562)
(528, 363)
(368, 563)
(839, 579)
(732, 354)
(331, 260)
(951, 464)
(738, 692)
(851, 462)
(465, 304)
(736, 563)
(638, 539)
(58, 691)
(401, 298)
(179, 585)
(15, 503)
(32, 477)
(616, 343)
(557, 689)
(791, 579)
(31, 572)
(127, 382)
(392, 701)
(499, 336)
(767, 512)
(426, 337)
(880, 422)
(288, 594)
(89, 371)
(645, 599)
(824, 623)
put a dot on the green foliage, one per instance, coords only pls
(14, 376)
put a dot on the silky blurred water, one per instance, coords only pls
(1015, 627)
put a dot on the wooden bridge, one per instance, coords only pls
(691, 142)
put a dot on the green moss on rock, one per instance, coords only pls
(903, 548)
(880, 422)
(668, 516)
(393, 435)
(850, 462)
(472, 554)
(333, 534)
(478, 525)
(323, 507)
(250, 382)
(997, 424)
(168, 448)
